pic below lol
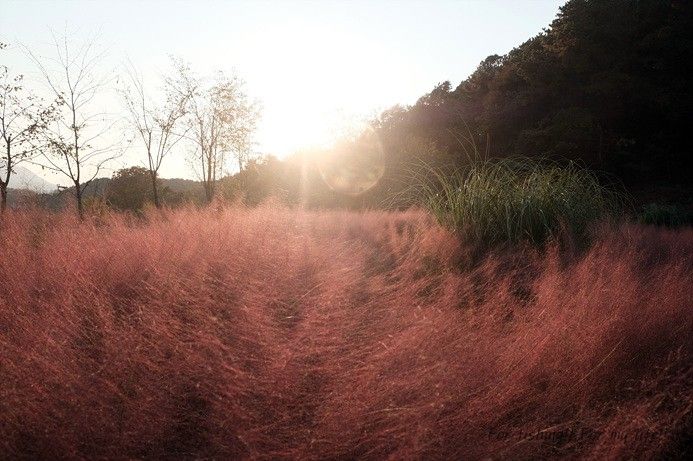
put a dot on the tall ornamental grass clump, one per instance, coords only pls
(514, 199)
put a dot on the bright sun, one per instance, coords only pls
(326, 90)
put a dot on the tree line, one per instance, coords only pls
(67, 134)
(606, 84)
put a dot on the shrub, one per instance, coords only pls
(515, 199)
(130, 189)
(669, 215)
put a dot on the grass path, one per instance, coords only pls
(280, 334)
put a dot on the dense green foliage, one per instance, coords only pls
(516, 199)
(607, 83)
(130, 189)
(669, 215)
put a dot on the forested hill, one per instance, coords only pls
(608, 82)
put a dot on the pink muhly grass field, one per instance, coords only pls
(274, 333)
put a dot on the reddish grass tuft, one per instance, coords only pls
(276, 333)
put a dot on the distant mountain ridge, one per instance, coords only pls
(23, 178)
(27, 187)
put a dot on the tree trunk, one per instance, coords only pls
(209, 191)
(78, 197)
(3, 198)
(210, 181)
(4, 183)
(155, 189)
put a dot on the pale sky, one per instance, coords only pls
(314, 66)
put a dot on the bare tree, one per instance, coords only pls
(22, 116)
(156, 125)
(78, 142)
(222, 121)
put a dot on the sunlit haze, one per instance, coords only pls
(315, 67)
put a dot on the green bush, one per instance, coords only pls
(515, 199)
(669, 215)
